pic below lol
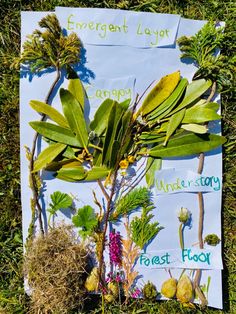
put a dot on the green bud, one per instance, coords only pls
(184, 215)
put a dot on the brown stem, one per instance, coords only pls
(197, 277)
(34, 188)
(109, 199)
(103, 189)
(109, 209)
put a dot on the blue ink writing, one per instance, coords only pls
(202, 257)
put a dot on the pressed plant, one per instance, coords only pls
(169, 122)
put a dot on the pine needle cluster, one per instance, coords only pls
(50, 48)
(139, 197)
(142, 229)
(203, 49)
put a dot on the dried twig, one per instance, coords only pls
(34, 187)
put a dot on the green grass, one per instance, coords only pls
(12, 297)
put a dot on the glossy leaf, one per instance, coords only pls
(160, 92)
(55, 133)
(74, 116)
(153, 164)
(69, 152)
(96, 173)
(76, 88)
(51, 112)
(48, 155)
(114, 125)
(125, 134)
(72, 173)
(99, 123)
(173, 124)
(56, 165)
(186, 145)
(200, 114)
(166, 107)
(193, 91)
(195, 128)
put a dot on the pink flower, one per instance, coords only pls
(115, 248)
(136, 293)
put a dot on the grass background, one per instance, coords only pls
(12, 297)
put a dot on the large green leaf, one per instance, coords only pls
(72, 174)
(112, 132)
(96, 173)
(51, 112)
(75, 117)
(173, 123)
(126, 138)
(153, 164)
(99, 123)
(161, 91)
(195, 128)
(200, 114)
(166, 107)
(55, 133)
(48, 155)
(186, 145)
(56, 165)
(76, 88)
(193, 91)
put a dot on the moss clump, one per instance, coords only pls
(149, 291)
(212, 239)
(56, 266)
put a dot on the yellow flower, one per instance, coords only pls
(184, 289)
(91, 283)
(168, 288)
(131, 159)
(124, 164)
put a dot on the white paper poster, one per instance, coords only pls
(123, 53)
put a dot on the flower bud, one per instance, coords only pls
(184, 289)
(131, 159)
(124, 164)
(169, 287)
(184, 215)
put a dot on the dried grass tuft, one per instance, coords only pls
(56, 266)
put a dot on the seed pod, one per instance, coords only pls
(91, 283)
(184, 289)
(169, 287)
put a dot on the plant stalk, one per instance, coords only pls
(33, 176)
(201, 218)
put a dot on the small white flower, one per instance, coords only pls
(184, 215)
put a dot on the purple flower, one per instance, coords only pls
(115, 248)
